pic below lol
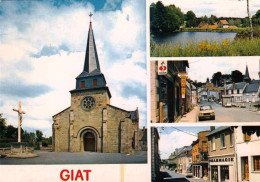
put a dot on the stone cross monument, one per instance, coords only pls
(20, 117)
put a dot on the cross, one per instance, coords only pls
(20, 117)
(90, 16)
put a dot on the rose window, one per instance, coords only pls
(88, 103)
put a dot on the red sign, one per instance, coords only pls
(162, 67)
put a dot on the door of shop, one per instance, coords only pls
(246, 168)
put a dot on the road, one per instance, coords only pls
(233, 114)
(171, 176)
(46, 157)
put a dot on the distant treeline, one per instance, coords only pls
(166, 19)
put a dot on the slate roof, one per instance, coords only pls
(133, 115)
(224, 22)
(86, 74)
(222, 128)
(193, 87)
(239, 85)
(144, 138)
(252, 88)
(255, 81)
(91, 58)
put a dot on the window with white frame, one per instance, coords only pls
(256, 160)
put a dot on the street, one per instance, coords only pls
(232, 114)
(171, 176)
(46, 157)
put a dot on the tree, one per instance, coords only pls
(174, 18)
(191, 19)
(39, 135)
(2, 126)
(256, 18)
(165, 19)
(158, 14)
(216, 78)
(237, 76)
(212, 19)
(250, 20)
(11, 132)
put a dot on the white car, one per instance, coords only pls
(228, 104)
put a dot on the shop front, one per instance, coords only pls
(200, 170)
(222, 169)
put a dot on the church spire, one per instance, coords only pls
(246, 76)
(91, 58)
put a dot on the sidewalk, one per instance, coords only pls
(191, 117)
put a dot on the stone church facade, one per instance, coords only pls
(91, 123)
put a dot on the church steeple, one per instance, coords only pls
(91, 77)
(91, 58)
(246, 76)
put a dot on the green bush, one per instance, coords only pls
(5, 145)
(246, 33)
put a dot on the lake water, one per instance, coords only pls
(196, 37)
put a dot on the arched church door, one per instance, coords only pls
(89, 140)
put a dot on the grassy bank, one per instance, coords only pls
(238, 47)
(212, 29)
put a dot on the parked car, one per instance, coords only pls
(189, 174)
(243, 106)
(235, 105)
(228, 104)
(206, 112)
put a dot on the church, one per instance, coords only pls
(91, 123)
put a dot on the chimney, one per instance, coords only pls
(234, 85)
(212, 128)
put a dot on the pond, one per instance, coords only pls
(196, 37)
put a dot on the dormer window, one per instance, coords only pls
(94, 82)
(82, 84)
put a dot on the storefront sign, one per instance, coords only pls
(183, 82)
(183, 93)
(183, 77)
(162, 67)
(227, 159)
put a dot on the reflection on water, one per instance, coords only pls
(196, 37)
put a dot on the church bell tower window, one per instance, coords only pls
(95, 82)
(82, 84)
(88, 103)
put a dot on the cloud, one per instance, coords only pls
(176, 139)
(223, 64)
(50, 51)
(111, 5)
(220, 8)
(18, 88)
(133, 89)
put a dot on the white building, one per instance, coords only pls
(252, 91)
(235, 91)
(247, 154)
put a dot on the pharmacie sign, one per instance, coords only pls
(226, 159)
